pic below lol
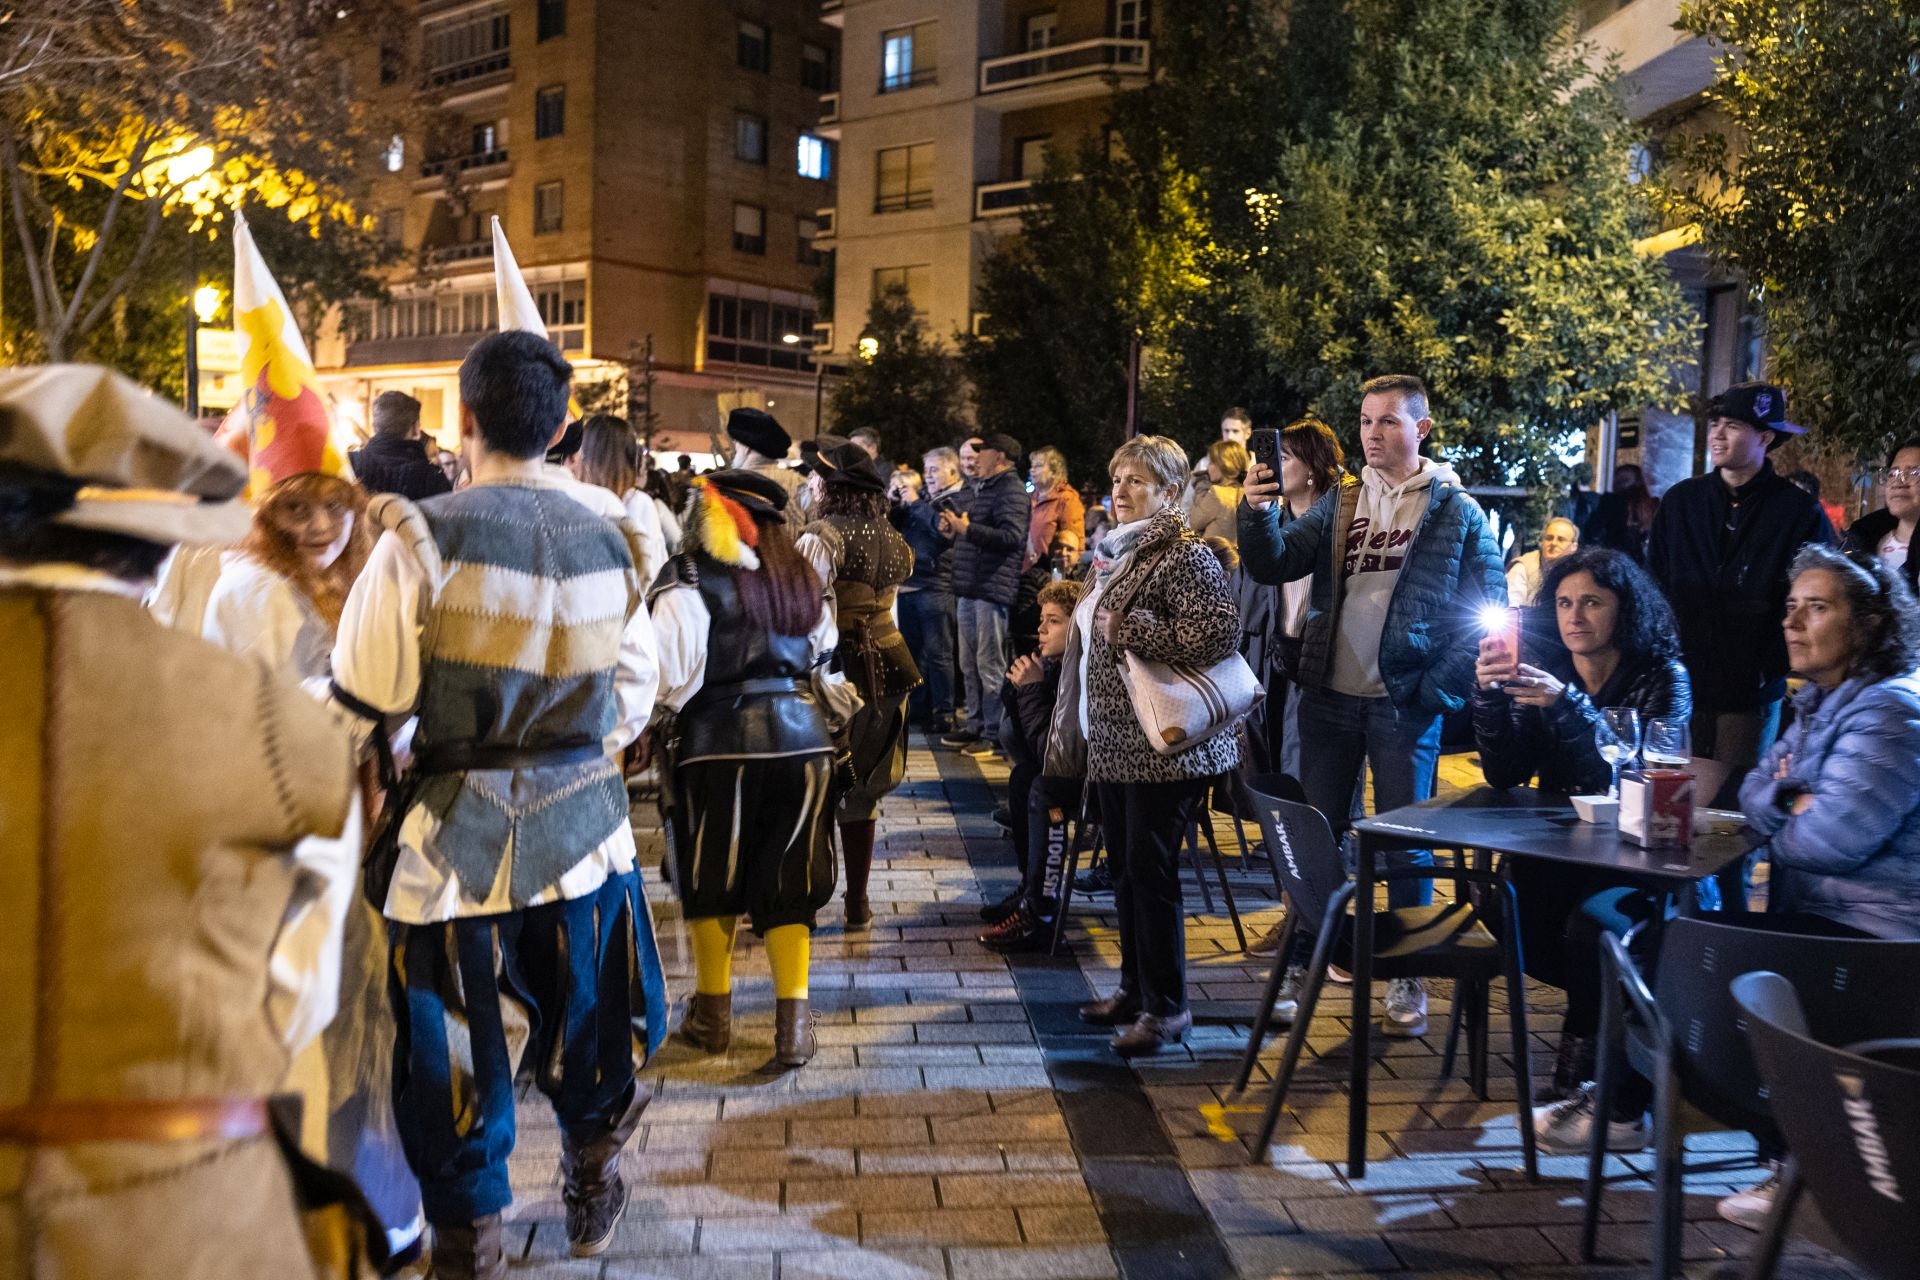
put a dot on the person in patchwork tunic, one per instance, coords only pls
(508, 617)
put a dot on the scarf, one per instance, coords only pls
(1116, 545)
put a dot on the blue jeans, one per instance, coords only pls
(1339, 733)
(983, 662)
(926, 620)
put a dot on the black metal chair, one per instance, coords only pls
(1849, 1116)
(1685, 1035)
(1445, 941)
(1085, 835)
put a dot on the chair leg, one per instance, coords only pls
(1522, 1063)
(1297, 1039)
(1766, 1255)
(1477, 1041)
(1220, 867)
(1193, 861)
(1066, 888)
(1669, 1155)
(1263, 1018)
(1455, 1021)
(1611, 1016)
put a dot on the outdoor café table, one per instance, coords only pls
(1518, 821)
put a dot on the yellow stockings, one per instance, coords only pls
(788, 951)
(788, 948)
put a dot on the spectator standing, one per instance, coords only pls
(1720, 549)
(1401, 561)
(395, 460)
(1624, 517)
(1218, 493)
(606, 461)
(926, 598)
(1236, 426)
(1056, 522)
(869, 440)
(1810, 482)
(1560, 537)
(989, 530)
(1888, 533)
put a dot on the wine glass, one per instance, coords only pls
(1668, 742)
(1618, 737)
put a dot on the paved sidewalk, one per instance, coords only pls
(960, 1124)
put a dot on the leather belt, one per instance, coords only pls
(746, 689)
(460, 757)
(60, 1124)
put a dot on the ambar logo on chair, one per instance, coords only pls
(1866, 1136)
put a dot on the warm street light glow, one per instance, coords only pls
(789, 338)
(869, 348)
(188, 165)
(207, 301)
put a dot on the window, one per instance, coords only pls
(907, 57)
(915, 280)
(1040, 30)
(749, 331)
(749, 137)
(814, 159)
(563, 309)
(904, 178)
(389, 226)
(1030, 156)
(396, 154)
(472, 44)
(484, 139)
(550, 111)
(749, 228)
(753, 50)
(805, 229)
(550, 19)
(548, 208)
(1130, 19)
(392, 64)
(816, 67)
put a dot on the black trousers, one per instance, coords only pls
(1144, 823)
(751, 837)
(1040, 845)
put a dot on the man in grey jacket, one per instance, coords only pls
(1402, 563)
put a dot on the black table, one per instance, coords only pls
(1522, 822)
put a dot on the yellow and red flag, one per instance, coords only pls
(289, 430)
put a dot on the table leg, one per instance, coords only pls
(1362, 1009)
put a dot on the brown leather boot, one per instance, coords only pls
(469, 1251)
(595, 1194)
(856, 842)
(793, 1041)
(708, 1025)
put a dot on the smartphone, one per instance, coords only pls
(1504, 625)
(1265, 447)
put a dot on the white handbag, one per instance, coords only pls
(1179, 706)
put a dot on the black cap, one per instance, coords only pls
(1003, 442)
(1761, 405)
(848, 466)
(756, 429)
(762, 495)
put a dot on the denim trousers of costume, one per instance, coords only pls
(983, 661)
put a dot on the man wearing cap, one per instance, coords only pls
(1720, 549)
(760, 445)
(148, 1015)
(509, 619)
(989, 530)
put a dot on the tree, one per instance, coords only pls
(136, 111)
(901, 383)
(1812, 197)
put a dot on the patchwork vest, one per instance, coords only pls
(519, 651)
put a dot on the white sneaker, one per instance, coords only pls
(1286, 1003)
(1406, 1008)
(1750, 1208)
(1565, 1128)
(1336, 974)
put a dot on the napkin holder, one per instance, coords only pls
(1656, 808)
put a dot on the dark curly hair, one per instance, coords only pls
(1886, 620)
(1644, 628)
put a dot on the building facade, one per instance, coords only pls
(944, 116)
(656, 169)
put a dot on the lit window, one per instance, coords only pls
(907, 57)
(814, 162)
(548, 208)
(751, 331)
(396, 154)
(749, 228)
(904, 179)
(914, 280)
(749, 137)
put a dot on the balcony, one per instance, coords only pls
(829, 126)
(822, 337)
(472, 73)
(1064, 72)
(463, 164)
(1003, 199)
(823, 222)
(833, 12)
(468, 255)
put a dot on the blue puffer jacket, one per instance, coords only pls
(1854, 856)
(987, 557)
(1433, 628)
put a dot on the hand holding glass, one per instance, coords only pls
(1618, 737)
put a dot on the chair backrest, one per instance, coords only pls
(1301, 844)
(1848, 1120)
(1857, 989)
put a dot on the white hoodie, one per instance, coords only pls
(1384, 523)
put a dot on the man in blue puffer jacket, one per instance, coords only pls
(989, 533)
(1402, 564)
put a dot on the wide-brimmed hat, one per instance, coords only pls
(848, 466)
(759, 431)
(762, 495)
(146, 470)
(1761, 405)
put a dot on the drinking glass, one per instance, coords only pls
(1668, 742)
(1618, 737)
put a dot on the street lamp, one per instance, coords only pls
(207, 301)
(819, 376)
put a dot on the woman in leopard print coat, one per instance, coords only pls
(1159, 592)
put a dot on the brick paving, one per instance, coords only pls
(955, 1126)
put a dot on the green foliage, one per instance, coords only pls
(910, 390)
(1816, 201)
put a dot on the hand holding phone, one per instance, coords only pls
(1263, 478)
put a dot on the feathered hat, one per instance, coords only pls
(725, 510)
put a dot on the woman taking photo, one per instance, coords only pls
(1888, 533)
(1218, 493)
(1159, 592)
(746, 758)
(871, 560)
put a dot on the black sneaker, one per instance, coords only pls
(1021, 931)
(978, 749)
(592, 1216)
(959, 738)
(995, 912)
(1003, 816)
(1096, 880)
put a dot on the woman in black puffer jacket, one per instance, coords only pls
(1617, 647)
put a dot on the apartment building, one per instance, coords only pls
(1665, 75)
(656, 168)
(944, 116)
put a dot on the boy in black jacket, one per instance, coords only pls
(1024, 921)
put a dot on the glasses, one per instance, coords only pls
(1887, 475)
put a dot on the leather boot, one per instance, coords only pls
(470, 1251)
(1117, 1010)
(793, 1042)
(1151, 1033)
(1573, 1066)
(856, 843)
(595, 1194)
(708, 1025)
